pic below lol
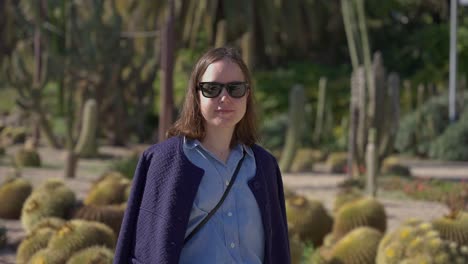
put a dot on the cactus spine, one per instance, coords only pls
(293, 135)
(87, 142)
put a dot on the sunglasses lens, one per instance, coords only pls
(237, 90)
(211, 90)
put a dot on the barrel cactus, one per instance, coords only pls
(47, 201)
(417, 241)
(362, 212)
(13, 193)
(44, 256)
(358, 247)
(110, 189)
(27, 158)
(110, 215)
(453, 227)
(297, 248)
(336, 162)
(34, 242)
(308, 218)
(92, 255)
(345, 196)
(76, 235)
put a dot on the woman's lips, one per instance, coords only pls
(224, 111)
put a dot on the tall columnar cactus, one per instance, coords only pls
(294, 132)
(371, 164)
(247, 46)
(379, 111)
(319, 119)
(221, 34)
(87, 141)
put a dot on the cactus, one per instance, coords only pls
(108, 190)
(371, 164)
(391, 165)
(87, 141)
(13, 193)
(308, 219)
(76, 235)
(34, 242)
(54, 223)
(416, 241)
(336, 162)
(27, 158)
(45, 256)
(297, 248)
(304, 160)
(44, 203)
(247, 44)
(346, 196)
(357, 247)
(221, 34)
(92, 255)
(453, 227)
(318, 130)
(294, 133)
(3, 236)
(362, 212)
(110, 215)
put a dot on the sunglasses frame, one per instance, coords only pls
(223, 86)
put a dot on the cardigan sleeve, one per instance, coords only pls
(126, 240)
(282, 202)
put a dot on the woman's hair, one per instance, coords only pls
(191, 121)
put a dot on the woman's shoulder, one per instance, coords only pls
(262, 153)
(166, 148)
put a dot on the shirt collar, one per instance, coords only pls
(193, 143)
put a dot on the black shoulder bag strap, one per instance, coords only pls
(226, 192)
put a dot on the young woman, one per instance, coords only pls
(208, 194)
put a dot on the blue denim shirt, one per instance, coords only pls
(235, 232)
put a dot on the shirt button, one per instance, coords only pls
(229, 214)
(227, 183)
(233, 245)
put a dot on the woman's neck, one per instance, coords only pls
(218, 142)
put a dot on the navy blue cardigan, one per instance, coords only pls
(163, 191)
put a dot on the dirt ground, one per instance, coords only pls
(318, 185)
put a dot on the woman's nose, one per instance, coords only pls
(224, 96)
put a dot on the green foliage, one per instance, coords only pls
(126, 166)
(418, 129)
(451, 144)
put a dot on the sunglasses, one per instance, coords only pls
(213, 89)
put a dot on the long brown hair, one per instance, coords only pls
(191, 122)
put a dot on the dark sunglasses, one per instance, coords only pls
(213, 89)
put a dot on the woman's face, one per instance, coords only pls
(222, 111)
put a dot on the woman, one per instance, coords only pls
(208, 194)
